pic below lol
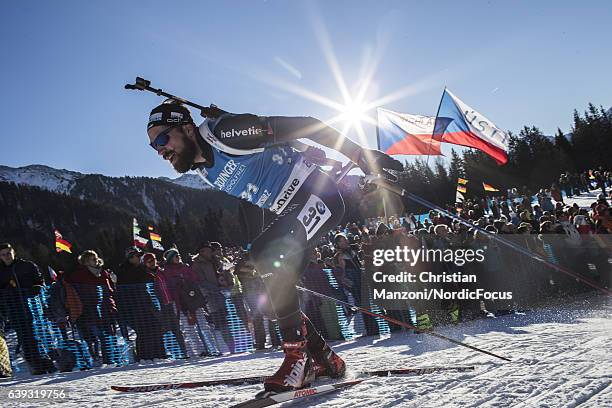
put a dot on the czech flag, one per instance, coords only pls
(403, 133)
(459, 124)
(61, 244)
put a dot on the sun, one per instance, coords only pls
(353, 113)
(356, 107)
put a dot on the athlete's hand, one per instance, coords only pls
(377, 162)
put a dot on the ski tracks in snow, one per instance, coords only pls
(561, 357)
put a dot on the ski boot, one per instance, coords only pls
(328, 363)
(296, 371)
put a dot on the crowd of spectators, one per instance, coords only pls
(155, 307)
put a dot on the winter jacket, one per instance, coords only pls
(18, 282)
(20, 274)
(172, 278)
(64, 301)
(133, 274)
(96, 293)
(210, 274)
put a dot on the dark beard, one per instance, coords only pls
(185, 160)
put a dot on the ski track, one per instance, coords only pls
(561, 357)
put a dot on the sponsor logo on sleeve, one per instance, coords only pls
(228, 134)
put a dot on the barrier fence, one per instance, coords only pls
(76, 327)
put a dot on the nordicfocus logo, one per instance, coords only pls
(228, 134)
(286, 195)
(225, 174)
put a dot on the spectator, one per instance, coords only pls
(255, 296)
(224, 265)
(214, 281)
(20, 282)
(182, 284)
(168, 317)
(321, 311)
(135, 306)
(96, 324)
(348, 270)
(6, 371)
(132, 260)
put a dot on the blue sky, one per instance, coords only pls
(64, 64)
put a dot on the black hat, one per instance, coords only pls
(5, 245)
(205, 244)
(170, 112)
(131, 251)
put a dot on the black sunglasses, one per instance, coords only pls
(163, 137)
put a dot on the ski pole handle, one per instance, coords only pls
(381, 182)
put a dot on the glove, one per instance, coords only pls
(377, 162)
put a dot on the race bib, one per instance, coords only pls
(313, 215)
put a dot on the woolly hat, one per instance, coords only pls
(170, 112)
(169, 254)
(148, 256)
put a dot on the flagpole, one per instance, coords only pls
(434, 129)
(378, 148)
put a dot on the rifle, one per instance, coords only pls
(141, 84)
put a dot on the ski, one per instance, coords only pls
(259, 379)
(302, 393)
(174, 386)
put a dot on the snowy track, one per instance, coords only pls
(562, 357)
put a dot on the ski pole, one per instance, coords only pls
(400, 323)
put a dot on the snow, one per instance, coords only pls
(584, 200)
(561, 357)
(149, 204)
(62, 181)
(48, 178)
(188, 180)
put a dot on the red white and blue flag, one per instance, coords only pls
(459, 124)
(403, 133)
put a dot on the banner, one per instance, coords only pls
(403, 133)
(459, 124)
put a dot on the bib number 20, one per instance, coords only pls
(313, 215)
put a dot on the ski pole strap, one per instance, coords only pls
(400, 323)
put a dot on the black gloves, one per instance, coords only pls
(377, 162)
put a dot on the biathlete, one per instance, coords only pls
(251, 157)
